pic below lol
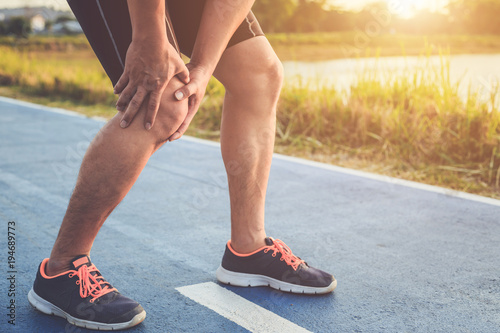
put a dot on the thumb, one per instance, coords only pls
(186, 91)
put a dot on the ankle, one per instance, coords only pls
(57, 266)
(247, 246)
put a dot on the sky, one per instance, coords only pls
(403, 7)
(57, 4)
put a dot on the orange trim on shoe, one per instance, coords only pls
(45, 276)
(92, 285)
(278, 246)
(286, 254)
(246, 254)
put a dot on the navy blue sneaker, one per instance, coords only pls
(273, 265)
(84, 298)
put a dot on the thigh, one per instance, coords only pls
(109, 43)
(186, 18)
(106, 24)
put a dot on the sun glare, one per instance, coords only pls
(403, 8)
(409, 8)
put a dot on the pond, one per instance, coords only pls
(480, 72)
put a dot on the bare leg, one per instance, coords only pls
(252, 76)
(110, 167)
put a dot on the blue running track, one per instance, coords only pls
(408, 258)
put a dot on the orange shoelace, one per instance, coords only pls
(92, 284)
(286, 254)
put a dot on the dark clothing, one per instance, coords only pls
(106, 24)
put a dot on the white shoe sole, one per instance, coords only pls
(48, 308)
(255, 280)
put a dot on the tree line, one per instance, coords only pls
(460, 16)
(18, 26)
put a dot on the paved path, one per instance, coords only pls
(408, 258)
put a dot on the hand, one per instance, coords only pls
(195, 91)
(149, 65)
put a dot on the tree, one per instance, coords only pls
(64, 18)
(479, 16)
(308, 16)
(48, 25)
(337, 20)
(273, 14)
(19, 26)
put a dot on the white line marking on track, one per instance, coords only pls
(363, 174)
(237, 309)
(392, 180)
(368, 175)
(48, 108)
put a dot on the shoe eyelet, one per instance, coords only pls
(92, 300)
(281, 259)
(274, 254)
(77, 282)
(266, 250)
(71, 275)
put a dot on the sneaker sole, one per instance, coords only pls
(48, 308)
(255, 280)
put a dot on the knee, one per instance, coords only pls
(262, 79)
(171, 113)
(273, 77)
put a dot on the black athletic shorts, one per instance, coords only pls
(106, 24)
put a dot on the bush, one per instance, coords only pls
(19, 26)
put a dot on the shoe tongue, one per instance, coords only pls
(269, 241)
(80, 261)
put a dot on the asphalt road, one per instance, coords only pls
(408, 258)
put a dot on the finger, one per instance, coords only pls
(183, 74)
(125, 97)
(133, 107)
(192, 109)
(187, 91)
(174, 137)
(153, 106)
(180, 69)
(121, 84)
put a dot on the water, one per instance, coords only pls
(481, 72)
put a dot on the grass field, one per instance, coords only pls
(327, 46)
(309, 47)
(414, 127)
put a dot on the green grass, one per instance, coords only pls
(76, 80)
(327, 46)
(46, 43)
(308, 46)
(415, 127)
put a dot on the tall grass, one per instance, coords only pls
(50, 77)
(46, 43)
(416, 124)
(419, 119)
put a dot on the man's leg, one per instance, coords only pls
(252, 75)
(110, 167)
